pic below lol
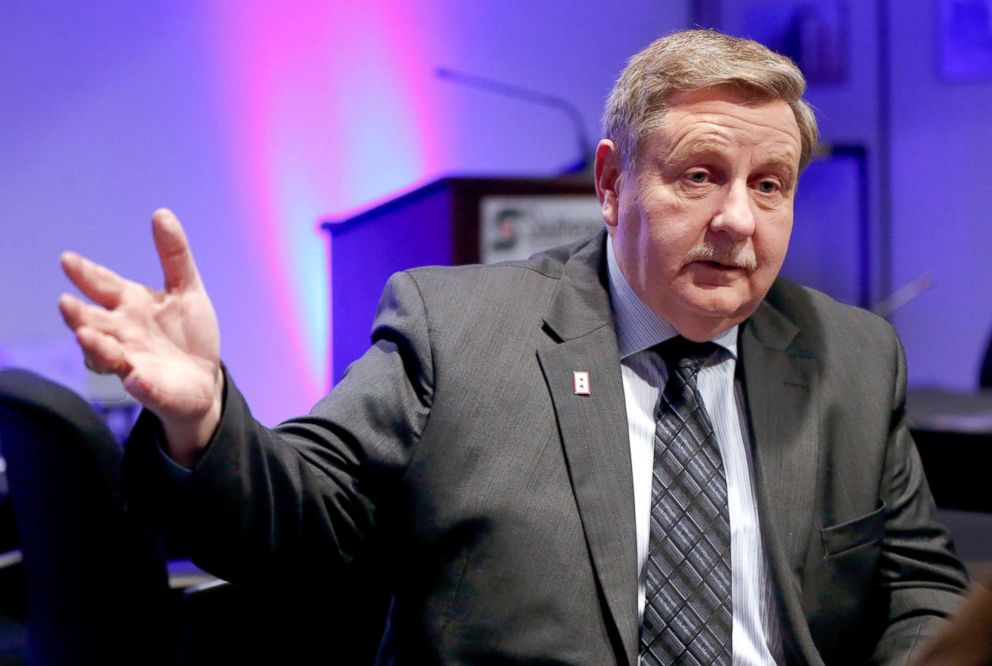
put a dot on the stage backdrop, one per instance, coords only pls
(254, 120)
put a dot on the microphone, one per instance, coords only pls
(583, 165)
(903, 295)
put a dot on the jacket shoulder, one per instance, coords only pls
(547, 265)
(824, 322)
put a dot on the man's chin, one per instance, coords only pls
(716, 300)
(702, 311)
(720, 305)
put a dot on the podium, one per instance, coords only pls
(450, 221)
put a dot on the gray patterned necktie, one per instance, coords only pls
(688, 614)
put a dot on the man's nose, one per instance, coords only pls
(736, 213)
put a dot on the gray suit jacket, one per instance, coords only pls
(501, 503)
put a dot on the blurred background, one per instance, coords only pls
(256, 121)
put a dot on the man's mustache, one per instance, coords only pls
(740, 255)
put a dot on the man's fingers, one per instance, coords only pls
(73, 311)
(104, 354)
(98, 282)
(76, 313)
(174, 254)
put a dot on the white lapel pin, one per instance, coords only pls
(580, 382)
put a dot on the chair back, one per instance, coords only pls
(97, 586)
(985, 372)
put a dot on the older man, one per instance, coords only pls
(639, 447)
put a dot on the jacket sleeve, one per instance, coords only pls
(923, 579)
(315, 490)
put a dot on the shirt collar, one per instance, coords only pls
(638, 327)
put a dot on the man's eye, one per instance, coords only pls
(768, 186)
(697, 176)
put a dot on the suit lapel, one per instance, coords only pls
(781, 394)
(780, 381)
(593, 431)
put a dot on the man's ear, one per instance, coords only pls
(607, 174)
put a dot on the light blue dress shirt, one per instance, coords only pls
(756, 638)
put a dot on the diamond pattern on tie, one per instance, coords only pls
(688, 611)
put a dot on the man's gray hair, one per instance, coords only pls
(696, 60)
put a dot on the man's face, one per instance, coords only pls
(701, 224)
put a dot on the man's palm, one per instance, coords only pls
(164, 345)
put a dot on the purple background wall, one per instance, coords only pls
(941, 201)
(929, 139)
(254, 120)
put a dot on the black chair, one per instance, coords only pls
(97, 586)
(985, 374)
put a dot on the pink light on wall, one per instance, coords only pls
(321, 111)
(253, 120)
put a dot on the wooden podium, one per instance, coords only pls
(455, 220)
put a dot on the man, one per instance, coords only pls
(505, 451)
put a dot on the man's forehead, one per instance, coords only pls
(773, 115)
(710, 123)
(701, 143)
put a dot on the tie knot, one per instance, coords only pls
(678, 353)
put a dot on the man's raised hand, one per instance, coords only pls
(163, 344)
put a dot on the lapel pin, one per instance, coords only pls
(580, 382)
